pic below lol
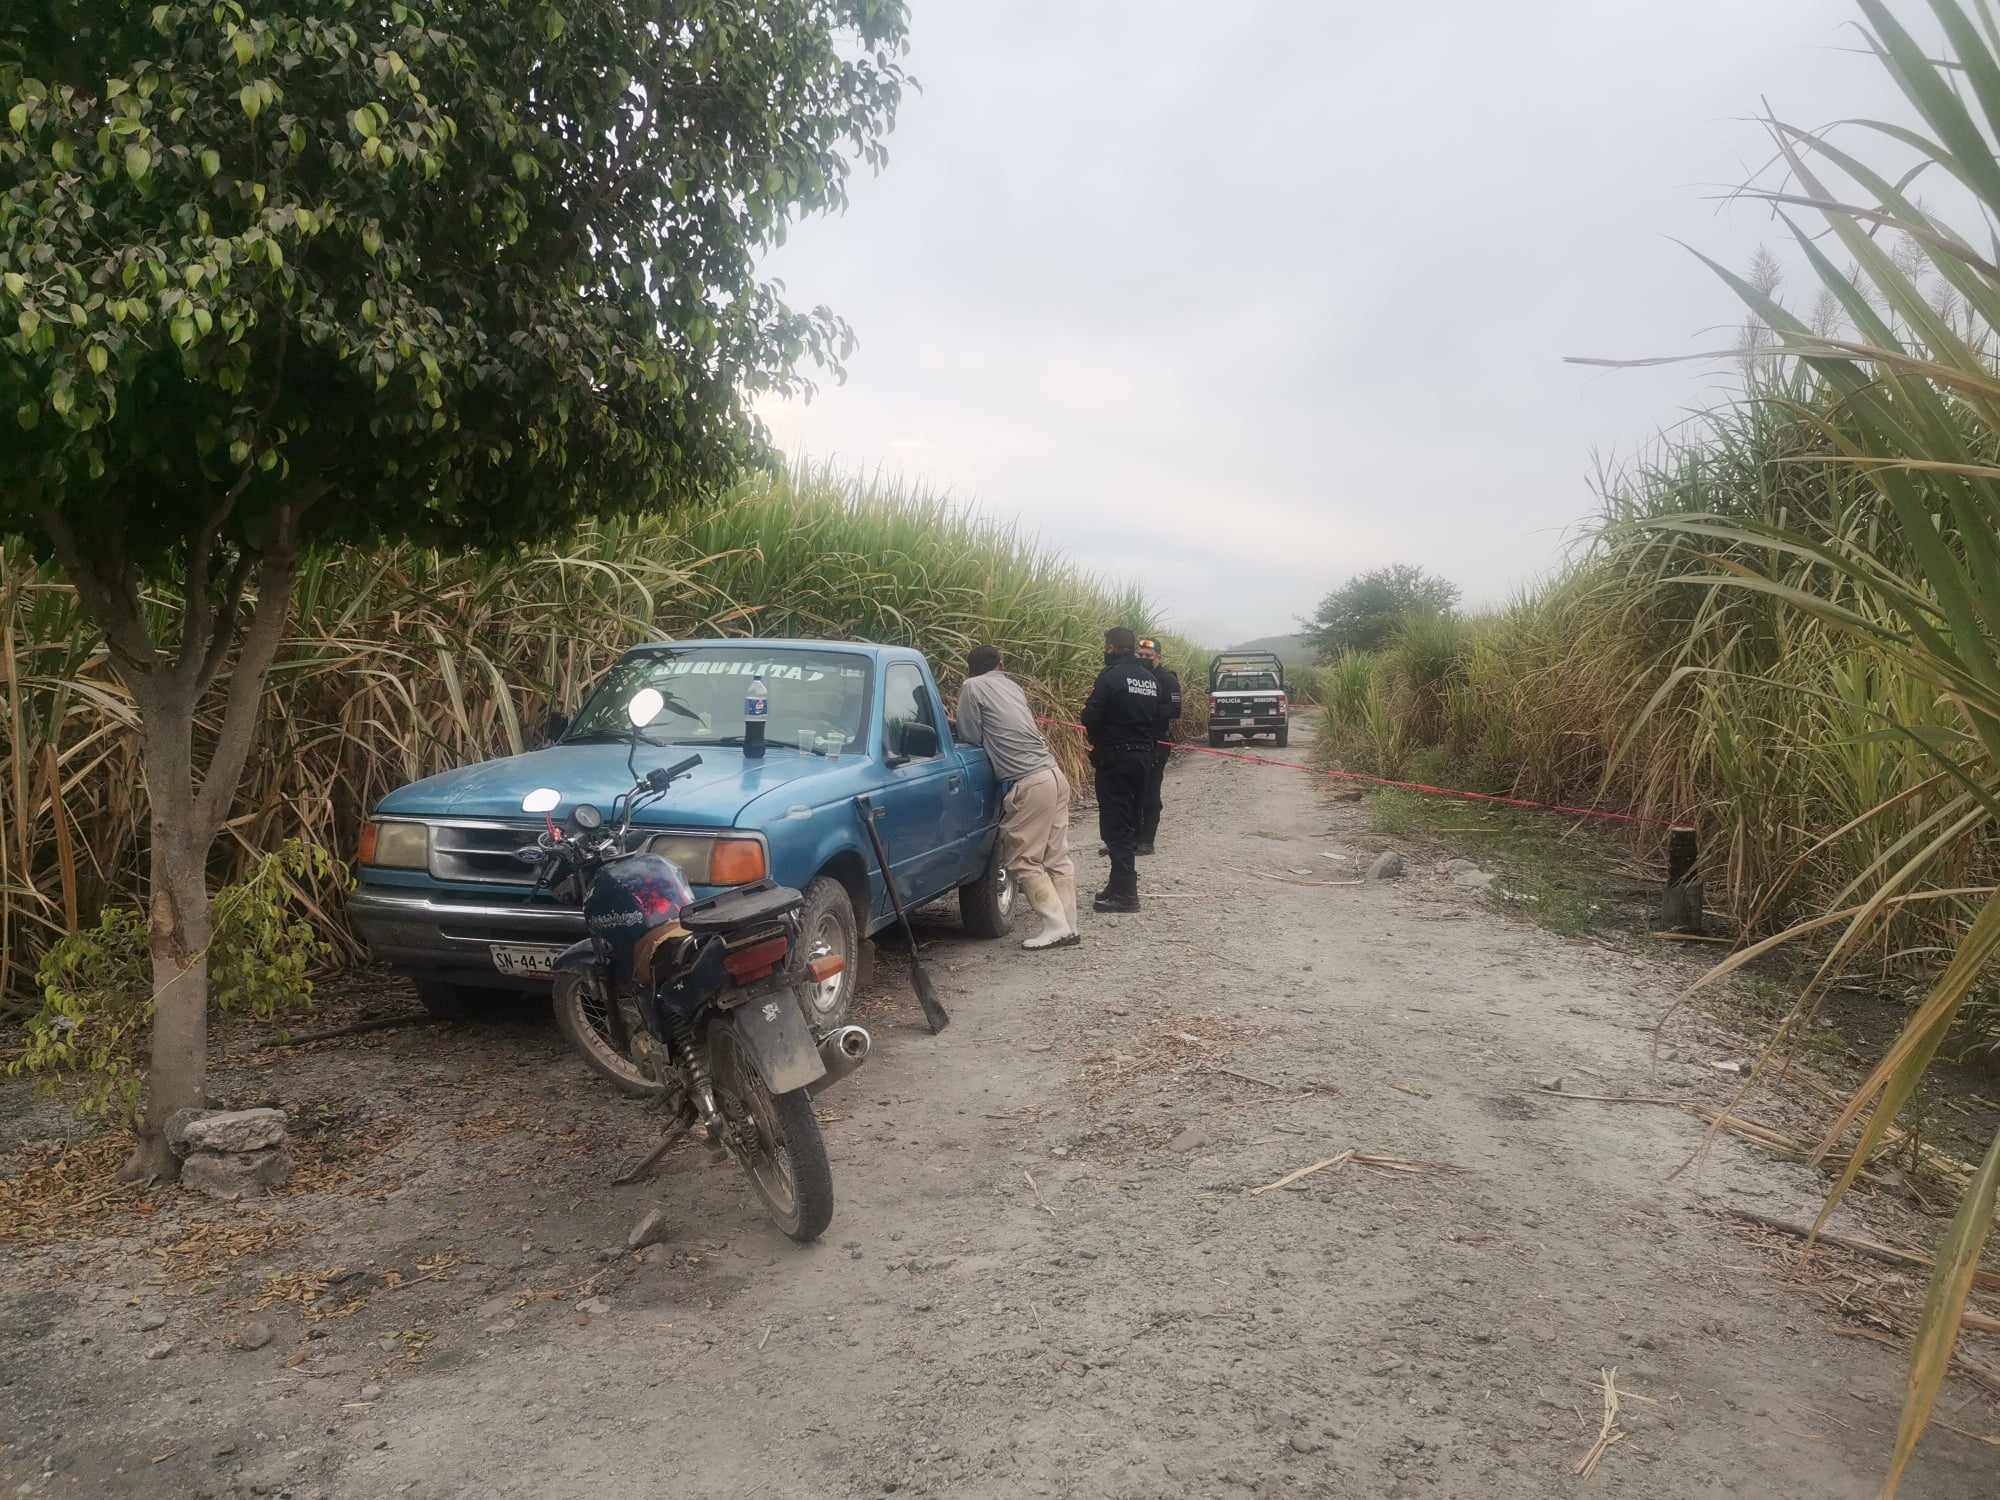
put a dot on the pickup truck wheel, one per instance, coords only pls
(986, 906)
(1215, 739)
(461, 1002)
(1284, 736)
(583, 1017)
(829, 928)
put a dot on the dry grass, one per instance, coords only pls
(403, 662)
(1171, 1044)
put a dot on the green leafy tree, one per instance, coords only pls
(458, 271)
(1363, 612)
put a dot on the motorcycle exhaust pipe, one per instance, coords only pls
(842, 1051)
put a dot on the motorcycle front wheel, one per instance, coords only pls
(777, 1143)
(583, 1015)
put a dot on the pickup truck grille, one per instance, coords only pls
(482, 852)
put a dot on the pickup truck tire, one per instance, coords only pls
(986, 905)
(826, 918)
(1284, 736)
(580, 1018)
(1215, 739)
(461, 1002)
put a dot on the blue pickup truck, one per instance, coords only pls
(442, 898)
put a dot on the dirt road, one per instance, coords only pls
(1133, 1322)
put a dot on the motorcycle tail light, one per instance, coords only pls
(823, 969)
(737, 862)
(746, 965)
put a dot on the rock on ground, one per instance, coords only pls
(236, 1130)
(650, 1230)
(237, 1174)
(1388, 866)
(1466, 875)
(253, 1335)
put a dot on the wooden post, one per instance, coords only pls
(1680, 903)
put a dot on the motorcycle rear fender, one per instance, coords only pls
(578, 957)
(771, 1032)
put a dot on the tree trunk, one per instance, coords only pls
(178, 921)
(186, 816)
(178, 937)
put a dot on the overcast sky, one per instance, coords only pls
(1241, 299)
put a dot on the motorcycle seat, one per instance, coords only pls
(763, 902)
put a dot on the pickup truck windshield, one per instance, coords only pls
(1245, 682)
(821, 693)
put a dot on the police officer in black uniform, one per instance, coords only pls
(1120, 719)
(1163, 736)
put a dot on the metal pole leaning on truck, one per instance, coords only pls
(934, 1013)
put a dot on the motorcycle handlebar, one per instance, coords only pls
(661, 778)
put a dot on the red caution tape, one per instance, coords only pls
(1404, 786)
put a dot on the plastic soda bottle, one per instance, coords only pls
(756, 717)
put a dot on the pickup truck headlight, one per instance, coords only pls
(398, 846)
(709, 861)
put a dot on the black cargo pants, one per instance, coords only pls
(1149, 813)
(1122, 776)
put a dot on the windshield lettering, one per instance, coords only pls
(817, 698)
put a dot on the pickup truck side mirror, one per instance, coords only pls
(914, 742)
(555, 726)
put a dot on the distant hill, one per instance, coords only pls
(1292, 650)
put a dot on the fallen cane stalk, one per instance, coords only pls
(1291, 1177)
(1038, 1194)
(1608, 1433)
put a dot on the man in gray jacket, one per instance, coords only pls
(993, 713)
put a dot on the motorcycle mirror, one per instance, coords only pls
(644, 707)
(543, 799)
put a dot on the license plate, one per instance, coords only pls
(516, 962)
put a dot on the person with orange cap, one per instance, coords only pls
(1167, 715)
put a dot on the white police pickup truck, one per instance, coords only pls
(1246, 696)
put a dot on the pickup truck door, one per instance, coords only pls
(973, 807)
(920, 791)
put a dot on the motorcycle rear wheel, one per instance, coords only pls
(583, 1016)
(787, 1164)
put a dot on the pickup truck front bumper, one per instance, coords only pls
(1251, 723)
(450, 937)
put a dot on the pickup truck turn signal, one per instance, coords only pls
(396, 846)
(737, 862)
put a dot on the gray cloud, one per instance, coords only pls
(1239, 300)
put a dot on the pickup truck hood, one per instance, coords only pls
(711, 797)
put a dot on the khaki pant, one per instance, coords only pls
(1034, 827)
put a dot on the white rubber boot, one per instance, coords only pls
(1066, 892)
(1056, 929)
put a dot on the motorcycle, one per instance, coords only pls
(720, 1038)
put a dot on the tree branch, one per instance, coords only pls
(225, 622)
(276, 571)
(111, 600)
(198, 613)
